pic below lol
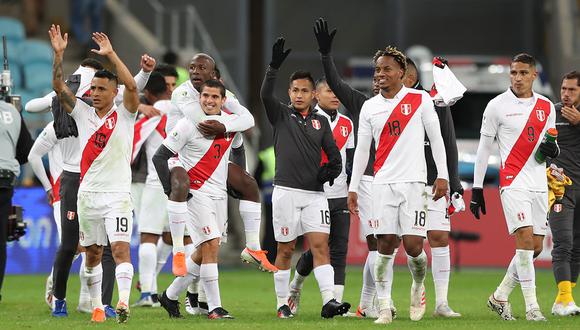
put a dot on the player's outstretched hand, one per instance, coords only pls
(58, 41)
(147, 63)
(440, 187)
(105, 47)
(352, 202)
(323, 38)
(278, 53)
(571, 114)
(477, 202)
(211, 128)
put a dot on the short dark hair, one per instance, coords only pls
(166, 70)
(218, 73)
(156, 84)
(170, 57)
(320, 81)
(104, 73)
(573, 75)
(393, 52)
(214, 84)
(524, 58)
(92, 63)
(410, 62)
(302, 75)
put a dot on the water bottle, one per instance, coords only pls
(550, 136)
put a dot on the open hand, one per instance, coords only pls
(323, 38)
(105, 47)
(571, 114)
(209, 128)
(57, 40)
(278, 53)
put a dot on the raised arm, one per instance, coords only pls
(130, 94)
(271, 103)
(59, 43)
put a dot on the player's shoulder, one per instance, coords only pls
(543, 98)
(345, 118)
(230, 95)
(182, 92)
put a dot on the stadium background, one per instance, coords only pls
(239, 34)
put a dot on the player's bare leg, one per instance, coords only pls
(177, 212)
(441, 269)
(282, 277)
(251, 213)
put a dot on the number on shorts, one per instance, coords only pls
(325, 217)
(420, 218)
(122, 224)
(531, 134)
(394, 128)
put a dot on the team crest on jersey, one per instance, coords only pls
(228, 136)
(406, 109)
(344, 131)
(521, 216)
(70, 215)
(206, 230)
(110, 123)
(541, 114)
(374, 223)
(557, 208)
(316, 123)
(284, 231)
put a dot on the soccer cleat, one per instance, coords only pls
(334, 308)
(171, 306)
(418, 302)
(444, 310)
(385, 317)
(502, 308)
(258, 258)
(146, 301)
(48, 297)
(191, 304)
(219, 313)
(559, 309)
(294, 300)
(155, 298)
(367, 312)
(122, 312)
(393, 309)
(110, 312)
(284, 312)
(535, 314)
(179, 267)
(85, 306)
(203, 308)
(98, 315)
(59, 309)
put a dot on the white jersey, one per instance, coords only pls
(205, 160)
(106, 145)
(154, 141)
(342, 131)
(398, 126)
(519, 126)
(47, 143)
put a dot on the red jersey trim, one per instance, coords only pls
(97, 142)
(205, 167)
(340, 133)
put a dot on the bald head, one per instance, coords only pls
(201, 69)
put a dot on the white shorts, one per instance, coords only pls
(174, 162)
(437, 218)
(153, 211)
(365, 206)
(102, 215)
(297, 212)
(207, 217)
(523, 208)
(400, 208)
(136, 195)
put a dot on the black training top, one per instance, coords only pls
(569, 142)
(298, 141)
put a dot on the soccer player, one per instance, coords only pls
(104, 200)
(397, 120)
(565, 217)
(206, 162)
(519, 119)
(438, 220)
(240, 183)
(299, 204)
(342, 131)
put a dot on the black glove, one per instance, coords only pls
(324, 176)
(549, 149)
(477, 202)
(322, 36)
(278, 53)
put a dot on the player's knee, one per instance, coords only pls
(438, 238)
(285, 251)
(121, 252)
(371, 243)
(166, 237)
(249, 188)
(179, 184)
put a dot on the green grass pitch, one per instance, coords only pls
(249, 296)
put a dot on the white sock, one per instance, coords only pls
(418, 267)
(84, 294)
(177, 212)
(124, 276)
(194, 269)
(382, 278)
(441, 268)
(251, 213)
(179, 284)
(209, 278)
(297, 281)
(509, 282)
(189, 250)
(368, 289)
(338, 292)
(147, 263)
(281, 281)
(94, 276)
(163, 252)
(202, 297)
(391, 272)
(325, 277)
(527, 277)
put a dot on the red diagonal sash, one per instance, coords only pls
(205, 167)
(394, 127)
(524, 146)
(55, 189)
(340, 133)
(97, 143)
